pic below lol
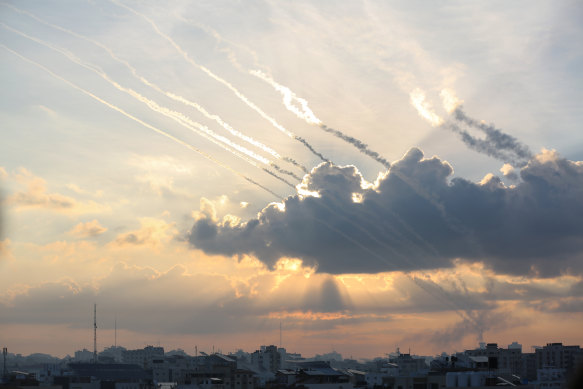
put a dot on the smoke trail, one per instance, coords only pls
(283, 171)
(496, 138)
(424, 108)
(219, 39)
(227, 84)
(288, 98)
(278, 177)
(490, 146)
(134, 72)
(198, 128)
(497, 144)
(306, 114)
(362, 147)
(305, 143)
(295, 163)
(149, 126)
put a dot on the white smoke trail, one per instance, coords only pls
(450, 100)
(424, 108)
(149, 126)
(288, 99)
(134, 72)
(227, 84)
(231, 55)
(182, 119)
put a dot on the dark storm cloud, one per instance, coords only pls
(415, 218)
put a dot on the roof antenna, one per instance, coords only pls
(94, 333)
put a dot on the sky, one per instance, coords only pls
(364, 175)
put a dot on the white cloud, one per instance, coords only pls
(88, 229)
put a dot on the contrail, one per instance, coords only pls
(278, 177)
(305, 113)
(237, 93)
(496, 138)
(149, 126)
(182, 119)
(424, 108)
(288, 99)
(362, 147)
(219, 39)
(295, 163)
(489, 146)
(181, 99)
(497, 143)
(284, 171)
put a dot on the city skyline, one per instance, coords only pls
(365, 174)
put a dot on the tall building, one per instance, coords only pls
(558, 356)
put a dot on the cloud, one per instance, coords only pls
(88, 229)
(415, 217)
(35, 196)
(153, 233)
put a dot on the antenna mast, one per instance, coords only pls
(280, 334)
(94, 333)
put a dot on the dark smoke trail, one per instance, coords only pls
(262, 187)
(295, 163)
(309, 146)
(490, 146)
(496, 140)
(283, 171)
(278, 177)
(362, 147)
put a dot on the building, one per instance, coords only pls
(267, 358)
(142, 357)
(558, 356)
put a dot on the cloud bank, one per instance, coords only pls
(416, 217)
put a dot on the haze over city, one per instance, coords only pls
(332, 176)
